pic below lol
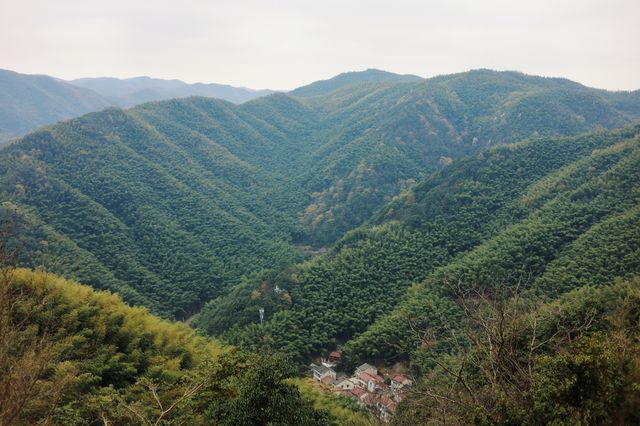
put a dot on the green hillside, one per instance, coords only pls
(562, 212)
(73, 356)
(170, 203)
(521, 361)
(165, 215)
(389, 135)
(480, 231)
(324, 87)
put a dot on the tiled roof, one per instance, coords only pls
(365, 377)
(369, 399)
(321, 369)
(358, 392)
(401, 378)
(327, 380)
(366, 366)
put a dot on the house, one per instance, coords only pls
(386, 408)
(320, 372)
(327, 380)
(335, 357)
(370, 381)
(400, 381)
(366, 368)
(375, 383)
(327, 363)
(343, 383)
(361, 379)
(355, 393)
(369, 399)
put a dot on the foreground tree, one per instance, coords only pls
(265, 397)
(519, 361)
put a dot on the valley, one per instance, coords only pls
(399, 221)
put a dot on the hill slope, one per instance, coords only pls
(376, 140)
(171, 202)
(563, 213)
(70, 355)
(30, 101)
(324, 87)
(161, 213)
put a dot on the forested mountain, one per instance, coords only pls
(169, 203)
(161, 213)
(128, 92)
(482, 229)
(72, 356)
(390, 135)
(553, 214)
(30, 101)
(324, 87)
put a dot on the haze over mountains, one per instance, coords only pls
(128, 92)
(30, 101)
(372, 212)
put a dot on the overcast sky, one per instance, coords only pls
(288, 43)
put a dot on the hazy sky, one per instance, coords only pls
(284, 44)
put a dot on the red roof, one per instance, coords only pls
(358, 392)
(401, 378)
(378, 379)
(388, 403)
(370, 399)
(327, 380)
(365, 377)
(335, 354)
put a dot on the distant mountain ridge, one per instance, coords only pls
(31, 101)
(323, 87)
(133, 91)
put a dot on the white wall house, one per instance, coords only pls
(320, 372)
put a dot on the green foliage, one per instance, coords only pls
(76, 356)
(571, 361)
(345, 410)
(265, 398)
(173, 223)
(177, 203)
(170, 203)
(563, 212)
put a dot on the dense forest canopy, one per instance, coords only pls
(562, 211)
(480, 230)
(73, 356)
(169, 203)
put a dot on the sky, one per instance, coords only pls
(289, 43)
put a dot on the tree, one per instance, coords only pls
(266, 398)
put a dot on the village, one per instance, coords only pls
(370, 388)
